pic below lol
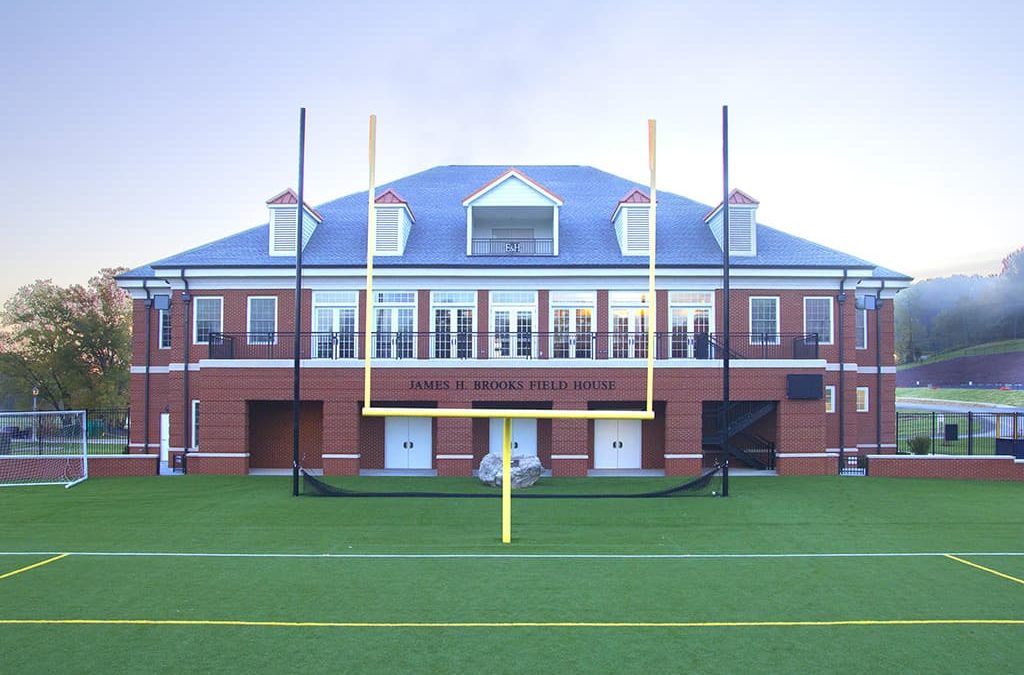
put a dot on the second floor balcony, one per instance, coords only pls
(477, 346)
(513, 247)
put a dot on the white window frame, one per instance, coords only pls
(572, 301)
(162, 315)
(750, 317)
(629, 300)
(436, 304)
(526, 301)
(862, 334)
(831, 318)
(195, 424)
(863, 402)
(390, 300)
(347, 299)
(830, 398)
(248, 320)
(195, 316)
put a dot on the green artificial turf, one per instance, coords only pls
(209, 514)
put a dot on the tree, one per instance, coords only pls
(73, 343)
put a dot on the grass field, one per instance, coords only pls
(997, 396)
(789, 574)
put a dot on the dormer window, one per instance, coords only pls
(394, 221)
(513, 215)
(632, 219)
(284, 224)
(742, 224)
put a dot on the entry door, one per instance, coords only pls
(524, 436)
(690, 326)
(629, 333)
(513, 333)
(453, 333)
(334, 333)
(407, 442)
(165, 435)
(617, 444)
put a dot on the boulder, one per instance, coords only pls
(526, 469)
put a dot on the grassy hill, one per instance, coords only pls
(1001, 347)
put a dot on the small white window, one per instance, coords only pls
(830, 398)
(862, 399)
(818, 318)
(764, 320)
(862, 329)
(262, 320)
(195, 424)
(165, 328)
(209, 318)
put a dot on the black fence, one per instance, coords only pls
(960, 433)
(56, 432)
(512, 345)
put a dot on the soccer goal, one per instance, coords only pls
(43, 448)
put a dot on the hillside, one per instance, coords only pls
(988, 369)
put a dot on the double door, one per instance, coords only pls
(408, 442)
(617, 444)
(334, 333)
(524, 436)
(629, 333)
(690, 332)
(513, 333)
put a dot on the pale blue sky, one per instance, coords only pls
(134, 130)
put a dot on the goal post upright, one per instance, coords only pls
(85, 451)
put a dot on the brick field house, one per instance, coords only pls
(513, 287)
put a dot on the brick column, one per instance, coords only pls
(453, 450)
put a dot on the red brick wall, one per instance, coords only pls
(341, 466)
(199, 463)
(124, 465)
(569, 467)
(939, 466)
(821, 464)
(683, 466)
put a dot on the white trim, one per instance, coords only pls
(780, 455)
(875, 445)
(570, 456)
(506, 176)
(343, 455)
(848, 367)
(160, 314)
(830, 388)
(864, 330)
(141, 370)
(778, 314)
(462, 364)
(453, 456)
(870, 370)
(193, 426)
(902, 457)
(867, 400)
(195, 316)
(180, 367)
(216, 454)
(673, 456)
(835, 451)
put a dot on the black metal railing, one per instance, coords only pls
(513, 247)
(584, 345)
(960, 433)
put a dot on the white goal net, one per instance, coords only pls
(43, 448)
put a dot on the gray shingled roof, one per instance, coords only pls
(586, 234)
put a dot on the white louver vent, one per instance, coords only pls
(388, 235)
(632, 223)
(283, 230)
(742, 224)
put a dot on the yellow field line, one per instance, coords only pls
(33, 566)
(516, 624)
(985, 569)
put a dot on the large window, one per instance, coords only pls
(395, 322)
(452, 324)
(764, 320)
(262, 320)
(165, 328)
(572, 324)
(689, 315)
(862, 329)
(334, 324)
(513, 321)
(209, 318)
(818, 318)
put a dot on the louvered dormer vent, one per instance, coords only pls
(284, 224)
(394, 223)
(742, 224)
(632, 218)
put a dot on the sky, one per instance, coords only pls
(131, 131)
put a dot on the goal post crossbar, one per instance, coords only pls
(36, 451)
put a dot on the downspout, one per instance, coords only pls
(186, 299)
(878, 370)
(842, 372)
(148, 303)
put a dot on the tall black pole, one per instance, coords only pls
(725, 281)
(296, 400)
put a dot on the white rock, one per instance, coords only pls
(526, 469)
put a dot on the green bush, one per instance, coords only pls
(920, 445)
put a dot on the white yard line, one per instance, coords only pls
(513, 556)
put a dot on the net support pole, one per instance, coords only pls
(506, 481)
(651, 247)
(297, 351)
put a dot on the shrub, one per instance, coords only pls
(920, 445)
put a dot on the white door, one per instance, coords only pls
(617, 444)
(690, 327)
(629, 333)
(513, 333)
(408, 442)
(453, 333)
(394, 338)
(165, 435)
(524, 436)
(334, 334)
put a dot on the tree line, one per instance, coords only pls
(72, 345)
(960, 311)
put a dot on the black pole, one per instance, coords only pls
(842, 381)
(148, 303)
(296, 400)
(878, 371)
(725, 280)
(186, 301)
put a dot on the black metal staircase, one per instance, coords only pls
(737, 441)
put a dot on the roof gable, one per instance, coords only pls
(512, 174)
